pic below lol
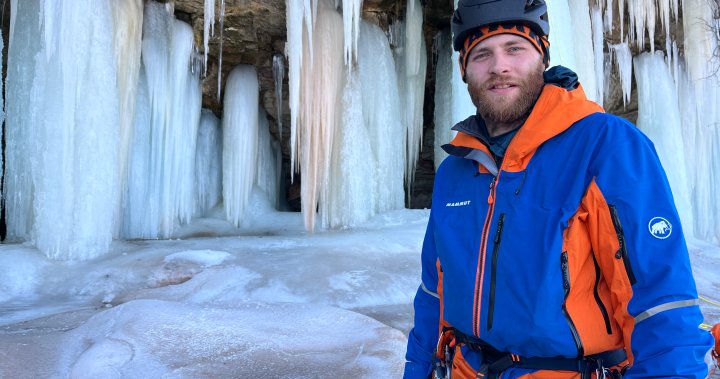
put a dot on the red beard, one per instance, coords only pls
(511, 108)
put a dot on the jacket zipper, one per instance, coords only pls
(480, 273)
(566, 286)
(600, 304)
(622, 252)
(493, 271)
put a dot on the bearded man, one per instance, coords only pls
(553, 248)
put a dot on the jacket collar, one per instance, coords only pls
(562, 102)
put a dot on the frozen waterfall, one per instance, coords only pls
(62, 127)
(117, 145)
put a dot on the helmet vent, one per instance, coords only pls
(457, 19)
(532, 4)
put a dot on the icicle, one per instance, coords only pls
(266, 174)
(664, 10)
(2, 94)
(140, 202)
(562, 50)
(413, 37)
(299, 15)
(23, 117)
(608, 18)
(580, 39)
(62, 128)
(367, 167)
(415, 54)
(700, 46)
(279, 76)
(220, 59)
(598, 49)
(240, 140)
(621, 13)
(381, 108)
(174, 99)
(443, 95)
(321, 83)
(659, 117)
(352, 11)
(208, 163)
(623, 60)
(208, 30)
(181, 133)
(352, 174)
(127, 36)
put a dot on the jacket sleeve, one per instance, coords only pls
(664, 315)
(423, 336)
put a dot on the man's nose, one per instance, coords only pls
(500, 64)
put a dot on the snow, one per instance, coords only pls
(274, 303)
(205, 258)
(266, 301)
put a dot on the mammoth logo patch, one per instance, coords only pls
(660, 228)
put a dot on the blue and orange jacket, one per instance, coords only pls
(572, 247)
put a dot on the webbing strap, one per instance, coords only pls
(665, 307)
(496, 361)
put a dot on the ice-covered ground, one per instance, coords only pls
(264, 301)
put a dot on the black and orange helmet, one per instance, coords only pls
(472, 14)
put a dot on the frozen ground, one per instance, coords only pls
(267, 301)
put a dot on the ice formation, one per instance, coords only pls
(144, 117)
(240, 140)
(127, 37)
(267, 168)
(62, 128)
(320, 88)
(300, 27)
(562, 51)
(279, 76)
(174, 97)
(659, 118)
(208, 30)
(598, 43)
(622, 56)
(220, 53)
(352, 10)
(2, 95)
(443, 95)
(411, 66)
(208, 163)
(367, 159)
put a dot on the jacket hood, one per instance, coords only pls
(562, 102)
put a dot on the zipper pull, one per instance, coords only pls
(491, 195)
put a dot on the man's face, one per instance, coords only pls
(505, 77)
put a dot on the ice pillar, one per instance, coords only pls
(62, 127)
(240, 140)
